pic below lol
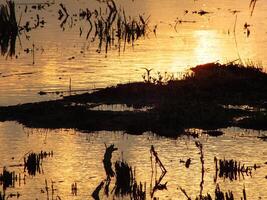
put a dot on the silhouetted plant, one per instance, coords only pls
(232, 169)
(124, 178)
(33, 162)
(107, 161)
(8, 28)
(7, 178)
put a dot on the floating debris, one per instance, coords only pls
(188, 162)
(234, 11)
(201, 12)
(213, 133)
(247, 29)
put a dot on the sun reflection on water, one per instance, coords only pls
(208, 47)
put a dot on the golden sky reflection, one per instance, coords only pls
(207, 48)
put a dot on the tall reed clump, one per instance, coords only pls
(8, 28)
(111, 26)
(126, 183)
(33, 162)
(232, 169)
(124, 178)
(7, 178)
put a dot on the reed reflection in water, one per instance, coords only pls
(78, 158)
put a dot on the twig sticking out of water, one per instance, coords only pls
(107, 161)
(252, 6)
(47, 190)
(184, 192)
(74, 189)
(125, 183)
(95, 194)
(158, 185)
(200, 147)
(236, 45)
(244, 194)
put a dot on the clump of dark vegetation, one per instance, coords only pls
(218, 195)
(33, 162)
(7, 178)
(125, 180)
(8, 28)
(232, 169)
(196, 101)
(112, 28)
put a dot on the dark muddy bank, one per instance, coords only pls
(200, 100)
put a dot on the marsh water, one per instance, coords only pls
(177, 39)
(77, 157)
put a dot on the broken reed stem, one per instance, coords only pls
(200, 147)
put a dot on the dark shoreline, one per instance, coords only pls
(200, 100)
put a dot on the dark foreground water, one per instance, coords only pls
(77, 157)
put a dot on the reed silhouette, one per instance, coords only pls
(8, 29)
(232, 169)
(107, 161)
(125, 181)
(33, 162)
